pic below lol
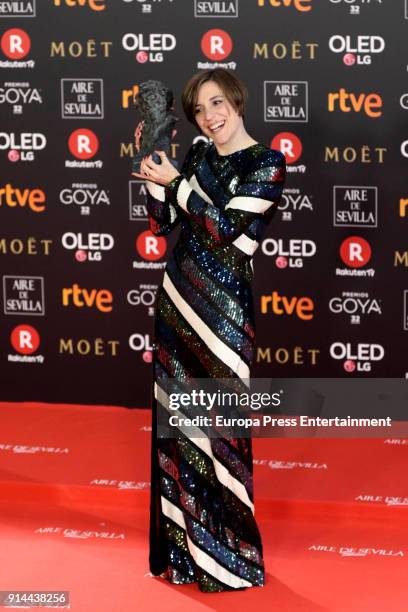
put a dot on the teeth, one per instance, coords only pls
(216, 126)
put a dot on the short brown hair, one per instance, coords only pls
(233, 88)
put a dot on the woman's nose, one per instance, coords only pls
(208, 114)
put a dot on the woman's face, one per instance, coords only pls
(214, 114)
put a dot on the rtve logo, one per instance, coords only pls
(83, 143)
(99, 298)
(371, 103)
(13, 197)
(94, 5)
(15, 43)
(300, 5)
(302, 307)
(129, 96)
(216, 44)
(403, 205)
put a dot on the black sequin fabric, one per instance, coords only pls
(202, 524)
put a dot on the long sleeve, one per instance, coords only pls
(164, 215)
(246, 213)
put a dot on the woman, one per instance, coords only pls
(202, 513)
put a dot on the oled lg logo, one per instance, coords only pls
(149, 48)
(290, 254)
(217, 46)
(83, 144)
(356, 50)
(357, 358)
(23, 8)
(87, 247)
(291, 146)
(16, 44)
(23, 146)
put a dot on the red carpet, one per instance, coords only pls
(74, 500)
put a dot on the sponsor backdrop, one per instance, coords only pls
(79, 266)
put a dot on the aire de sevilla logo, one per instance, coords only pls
(216, 44)
(25, 339)
(355, 252)
(151, 247)
(83, 143)
(15, 43)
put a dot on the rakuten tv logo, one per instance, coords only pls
(303, 6)
(370, 104)
(288, 144)
(15, 44)
(94, 5)
(302, 307)
(291, 146)
(216, 45)
(355, 252)
(83, 144)
(25, 339)
(151, 247)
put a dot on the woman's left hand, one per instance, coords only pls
(162, 173)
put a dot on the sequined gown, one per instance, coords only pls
(202, 525)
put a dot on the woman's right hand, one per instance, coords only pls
(138, 135)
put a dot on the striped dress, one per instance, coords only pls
(202, 525)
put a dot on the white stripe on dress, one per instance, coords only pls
(216, 346)
(246, 244)
(156, 191)
(202, 559)
(196, 187)
(204, 444)
(249, 204)
(183, 193)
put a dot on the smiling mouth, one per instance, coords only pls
(216, 127)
